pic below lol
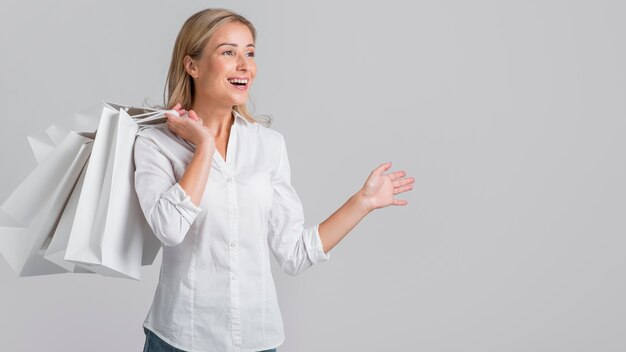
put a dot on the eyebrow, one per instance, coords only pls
(235, 45)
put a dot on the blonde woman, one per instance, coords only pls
(215, 187)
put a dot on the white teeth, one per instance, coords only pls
(242, 81)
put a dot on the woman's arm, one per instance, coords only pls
(170, 207)
(196, 174)
(377, 192)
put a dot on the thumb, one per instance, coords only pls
(382, 168)
(193, 115)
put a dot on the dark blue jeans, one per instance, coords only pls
(155, 344)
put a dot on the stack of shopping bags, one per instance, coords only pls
(77, 211)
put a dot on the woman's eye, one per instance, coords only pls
(231, 52)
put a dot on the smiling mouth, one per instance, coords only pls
(238, 82)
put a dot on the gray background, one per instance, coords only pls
(510, 114)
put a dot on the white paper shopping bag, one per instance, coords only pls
(37, 205)
(109, 234)
(84, 210)
(55, 249)
(41, 145)
(35, 189)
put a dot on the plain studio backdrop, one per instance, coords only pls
(509, 114)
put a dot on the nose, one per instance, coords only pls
(242, 63)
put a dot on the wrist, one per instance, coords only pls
(205, 146)
(362, 202)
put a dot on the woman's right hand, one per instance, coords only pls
(190, 128)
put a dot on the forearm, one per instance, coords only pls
(196, 175)
(342, 221)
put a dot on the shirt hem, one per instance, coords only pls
(269, 347)
(170, 342)
(180, 347)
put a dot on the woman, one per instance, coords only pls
(215, 187)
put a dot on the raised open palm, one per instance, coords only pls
(379, 189)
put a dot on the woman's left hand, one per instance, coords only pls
(379, 189)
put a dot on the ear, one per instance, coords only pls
(190, 66)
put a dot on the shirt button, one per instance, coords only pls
(229, 179)
(233, 212)
(233, 244)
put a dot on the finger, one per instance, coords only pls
(382, 168)
(404, 181)
(193, 115)
(400, 202)
(402, 189)
(172, 121)
(175, 108)
(397, 174)
(171, 126)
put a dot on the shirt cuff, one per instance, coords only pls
(182, 201)
(314, 246)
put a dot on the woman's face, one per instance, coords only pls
(227, 56)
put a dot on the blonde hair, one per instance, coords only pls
(191, 39)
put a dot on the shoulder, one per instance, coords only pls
(155, 134)
(161, 138)
(275, 142)
(267, 135)
(266, 143)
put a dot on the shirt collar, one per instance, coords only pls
(238, 116)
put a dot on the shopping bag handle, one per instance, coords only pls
(150, 117)
(153, 117)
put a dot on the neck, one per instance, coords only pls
(218, 119)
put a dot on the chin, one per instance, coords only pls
(239, 101)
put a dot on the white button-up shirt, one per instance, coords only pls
(216, 291)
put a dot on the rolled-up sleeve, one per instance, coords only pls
(167, 207)
(295, 247)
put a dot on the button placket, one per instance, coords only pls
(234, 255)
